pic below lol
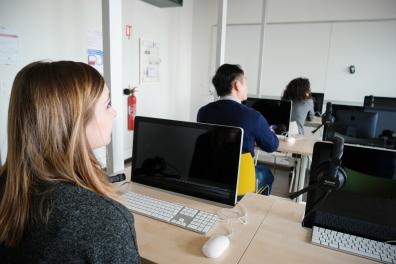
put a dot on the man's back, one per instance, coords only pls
(232, 113)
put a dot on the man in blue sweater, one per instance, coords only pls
(231, 86)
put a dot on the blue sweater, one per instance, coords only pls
(232, 113)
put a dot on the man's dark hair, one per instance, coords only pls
(297, 90)
(225, 75)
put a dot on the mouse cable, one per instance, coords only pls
(238, 213)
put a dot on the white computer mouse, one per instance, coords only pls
(215, 246)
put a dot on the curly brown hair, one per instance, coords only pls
(298, 89)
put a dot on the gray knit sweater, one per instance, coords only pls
(83, 227)
(303, 109)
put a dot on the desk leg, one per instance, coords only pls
(301, 178)
(297, 173)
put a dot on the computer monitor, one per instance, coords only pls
(196, 159)
(276, 112)
(337, 107)
(356, 124)
(386, 120)
(380, 103)
(365, 206)
(330, 131)
(386, 125)
(318, 103)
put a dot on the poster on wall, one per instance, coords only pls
(149, 61)
(9, 47)
(95, 57)
(94, 49)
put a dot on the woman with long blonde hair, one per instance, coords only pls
(56, 204)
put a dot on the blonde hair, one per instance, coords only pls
(50, 106)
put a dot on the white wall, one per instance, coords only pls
(372, 49)
(306, 37)
(294, 50)
(204, 44)
(57, 30)
(204, 17)
(171, 28)
(47, 30)
(281, 11)
(317, 39)
(244, 11)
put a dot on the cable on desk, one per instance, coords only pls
(238, 213)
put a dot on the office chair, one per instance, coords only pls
(247, 175)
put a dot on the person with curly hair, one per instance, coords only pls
(299, 92)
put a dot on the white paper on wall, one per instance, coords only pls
(149, 61)
(95, 48)
(9, 47)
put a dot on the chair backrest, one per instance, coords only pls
(247, 175)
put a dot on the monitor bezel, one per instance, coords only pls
(312, 194)
(379, 103)
(272, 101)
(232, 201)
(319, 96)
(345, 117)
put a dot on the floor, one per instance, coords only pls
(281, 184)
(282, 180)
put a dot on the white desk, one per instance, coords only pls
(273, 234)
(304, 148)
(165, 243)
(315, 122)
(310, 126)
(282, 239)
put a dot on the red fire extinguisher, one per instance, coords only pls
(131, 107)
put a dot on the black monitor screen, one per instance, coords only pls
(380, 103)
(336, 107)
(196, 159)
(276, 112)
(329, 132)
(386, 120)
(356, 124)
(365, 206)
(318, 103)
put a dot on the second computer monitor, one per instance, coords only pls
(386, 121)
(356, 124)
(337, 107)
(365, 206)
(318, 103)
(386, 109)
(380, 103)
(276, 112)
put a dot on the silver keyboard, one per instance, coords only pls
(172, 213)
(351, 244)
